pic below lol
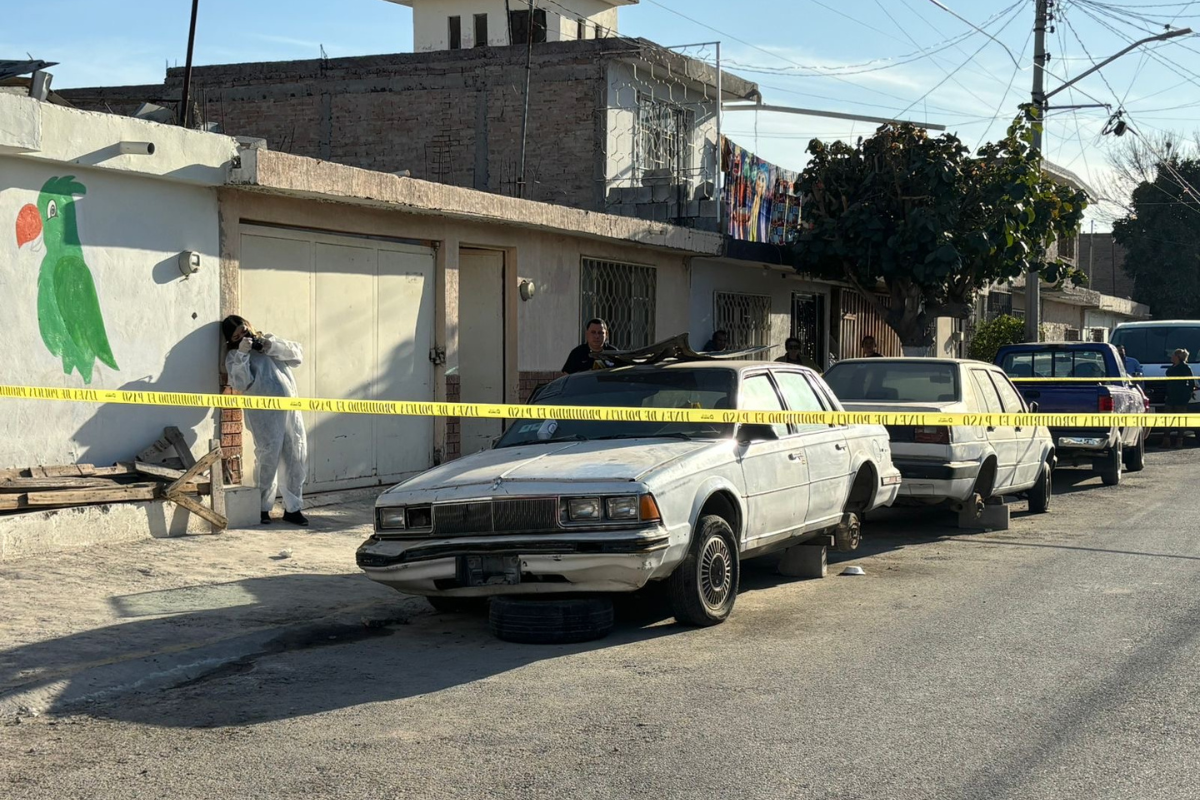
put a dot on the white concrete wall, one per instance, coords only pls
(162, 328)
(709, 276)
(625, 83)
(431, 26)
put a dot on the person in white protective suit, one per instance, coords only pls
(261, 364)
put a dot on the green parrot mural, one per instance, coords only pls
(69, 317)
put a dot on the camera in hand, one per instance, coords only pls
(255, 343)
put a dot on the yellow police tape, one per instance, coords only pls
(1105, 380)
(593, 413)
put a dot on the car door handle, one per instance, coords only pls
(794, 456)
(839, 446)
(991, 428)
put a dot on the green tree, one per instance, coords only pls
(990, 336)
(1161, 237)
(930, 221)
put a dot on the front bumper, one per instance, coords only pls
(597, 562)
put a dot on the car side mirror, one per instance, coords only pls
(1033, 407)
(751, 432)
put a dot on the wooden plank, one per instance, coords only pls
(156, 451)
(11, 502)
(217, 485)
(175, 437)
(5, 474)
(190, 476)
(158, 471)
(38, 472)
(51, 484)
(120, 468)
(124, 494)
(216, 520)
(69, 471)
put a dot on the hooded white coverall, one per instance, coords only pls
(277, 434)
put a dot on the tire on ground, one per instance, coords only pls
(1110, 473)
(559, 620)
(1135, 457)
(704, 585)
(1042, 491)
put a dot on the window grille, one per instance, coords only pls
(623, 295)
(1071, 335)
(745, 317)
(1099, 334)
(662, 137)
(998, 304)
(1066, 247)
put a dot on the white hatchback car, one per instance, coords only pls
(956, 465)
(561, 506)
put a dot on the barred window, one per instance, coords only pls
(745, 317)
(1066, 246)
(623, 295)
(662, 137)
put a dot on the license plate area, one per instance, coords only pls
(489, 570)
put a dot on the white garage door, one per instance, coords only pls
(363, 311)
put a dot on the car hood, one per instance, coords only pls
(567, 462)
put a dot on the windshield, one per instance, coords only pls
(894, 382)
(1055, 364)
(666, 388)
(1154, 344)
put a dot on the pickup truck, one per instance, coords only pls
(1108, 451)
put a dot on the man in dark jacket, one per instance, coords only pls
(1179, 394)
(582, 359)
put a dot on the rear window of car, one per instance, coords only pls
(1054, 364)
(880, 381)
(1153, 344)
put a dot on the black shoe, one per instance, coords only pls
(296, 518)
(265, 518)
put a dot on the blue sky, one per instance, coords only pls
(801, 52)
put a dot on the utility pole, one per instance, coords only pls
(1043, 16)
(186, 104)
(525, 115)
(1033, 279)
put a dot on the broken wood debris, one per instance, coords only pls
(43, 487)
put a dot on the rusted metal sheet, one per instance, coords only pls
(859, 319)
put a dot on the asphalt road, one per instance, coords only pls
(1057, 659)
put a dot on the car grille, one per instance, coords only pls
(496, 516)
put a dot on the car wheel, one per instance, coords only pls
(458, 605)
(1040, 494)
(1135, 457)
(564, 620)
(847, 536)
(704, 586)
(1110, 473)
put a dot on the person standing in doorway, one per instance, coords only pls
(261, 364)
(868, 348)
(1179, 394)
(795, 355)
(719, 342)
(583, 358)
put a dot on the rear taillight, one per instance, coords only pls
(1106, 403)
(932, 435)
(1146, 402)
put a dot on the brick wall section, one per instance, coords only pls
(1103, 260)
(452, 117)
(231, 438)
(532, 380)
(453, 429)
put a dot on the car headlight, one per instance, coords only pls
(389, 519)
(583, 509)
(621, 508)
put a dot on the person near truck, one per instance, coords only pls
(1133, 367)
(795, 355)
(1179, 394)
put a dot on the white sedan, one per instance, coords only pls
(962, 466)
(560, 506)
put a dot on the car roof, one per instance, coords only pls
(1153, 323)
(725, 364)
(893, 359)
